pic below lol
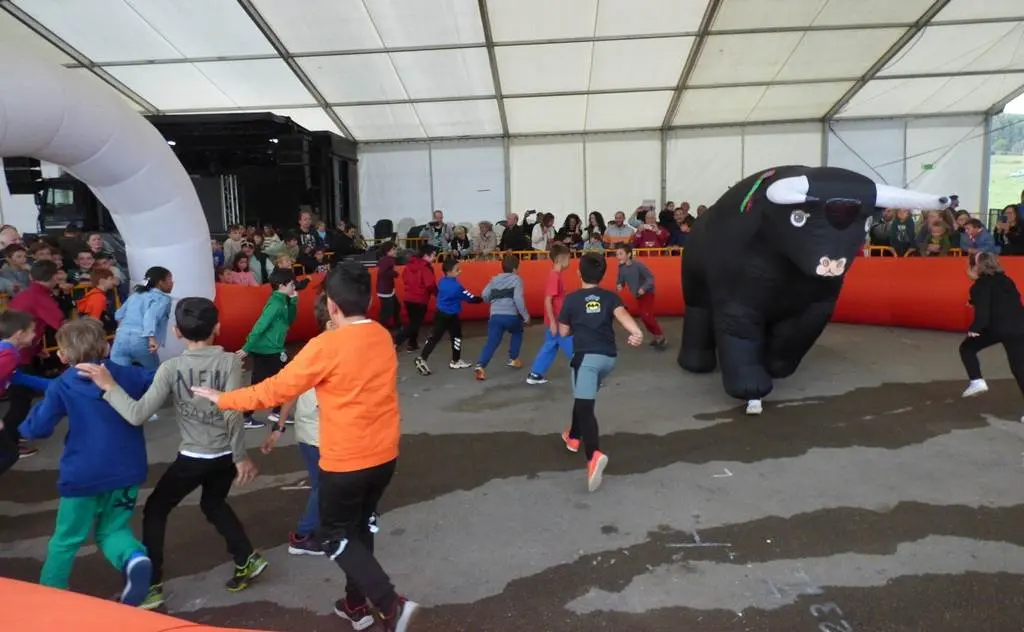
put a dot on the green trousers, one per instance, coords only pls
(110, 514)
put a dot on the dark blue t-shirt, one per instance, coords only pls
(589, 313)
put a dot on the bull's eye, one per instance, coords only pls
(798, 218)
(867, 225)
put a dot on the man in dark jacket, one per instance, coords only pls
(515, 237)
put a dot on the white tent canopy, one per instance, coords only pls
(778, 80)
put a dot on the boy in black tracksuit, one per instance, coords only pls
(450, 297)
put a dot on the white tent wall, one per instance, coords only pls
(935, 154)
(471, 180)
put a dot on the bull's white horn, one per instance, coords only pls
(894, 197)
(788, 190)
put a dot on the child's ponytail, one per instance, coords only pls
(154, 277)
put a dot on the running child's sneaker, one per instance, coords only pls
(595, 470)
(401, 616)
(572, 445)
(480, 373)
(154, 599)
(25, 451)
(422, 367)
(360, 617)
(137, 573)
(461, 364)
(244, 575)
(660, 344)
(514, 363)
(253, 424)
(754, 407)
(536, 378)
(307, 545)
(274, 417)
(976, 387)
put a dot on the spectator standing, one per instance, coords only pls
(937, 242)
(515, 237)
(259, 263)
(901, 233)
(308, 239)
(976, 239)
(650, 235)
(618, 230)
(487, 241)
(437, 233)
(1009, 236)
(543, 232)
(881, 228)
(596, 223)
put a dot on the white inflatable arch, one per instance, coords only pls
(62, 117)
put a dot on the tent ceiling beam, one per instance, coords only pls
(283, 53)
(81, 60)
(887, 57)
(710, 12)
(492, 57)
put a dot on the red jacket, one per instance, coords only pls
(38, 300)
(420, 282)
(650, 238)
(10, 358)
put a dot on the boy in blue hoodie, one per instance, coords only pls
(103, 464)
(450, 297)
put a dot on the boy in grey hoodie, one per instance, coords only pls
(212, 453)
(508, 314)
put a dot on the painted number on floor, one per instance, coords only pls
(835, 621)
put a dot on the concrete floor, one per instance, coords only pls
(869, 496)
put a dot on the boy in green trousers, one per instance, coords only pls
(265, 344)
(103, 464)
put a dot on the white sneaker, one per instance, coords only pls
(976, 387)
(273, 418)
(461, 364)
(754, 407)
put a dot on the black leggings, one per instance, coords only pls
(445, 323)
(411, 331)
(265, 365)
(1013, 345)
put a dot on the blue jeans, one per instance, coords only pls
(496, 328)
(131, 348)
(549, 351)
(310, 520)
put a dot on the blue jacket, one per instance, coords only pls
(983, 243)
(145, 314)
(102, 451)
(451, 295)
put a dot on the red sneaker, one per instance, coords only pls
(361, 618)
(595, 469)
(403, 614)
(572, 445)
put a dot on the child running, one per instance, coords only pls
(103, 464)
(17, 331)
(587, 316)
(390, 313)
(420, 284)
(450, 297)
(212, 453)
(637, 277)
(307, 436)
(265, 343)
(554, 296)
(354, 371)
(508, 314)
(143, 321)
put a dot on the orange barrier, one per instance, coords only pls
(34, 608)
(916, 292)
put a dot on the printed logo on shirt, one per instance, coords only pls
(593, 304)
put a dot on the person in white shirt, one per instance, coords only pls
(543, 232)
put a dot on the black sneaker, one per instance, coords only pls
(401, 616)
(360, 618)
(304, 546)
(252, 424)
(25, 451)
(244, 574)
(536, 378)
(422, 366)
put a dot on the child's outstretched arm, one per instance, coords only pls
(636, 337)
(134, 412)
(33, 382)
(44, 416)
(469, 297)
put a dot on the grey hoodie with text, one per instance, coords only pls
(205, 429)
(505, 294)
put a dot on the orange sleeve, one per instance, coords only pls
(93, 305)
(307, 369)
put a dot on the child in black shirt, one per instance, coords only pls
(587, 316)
